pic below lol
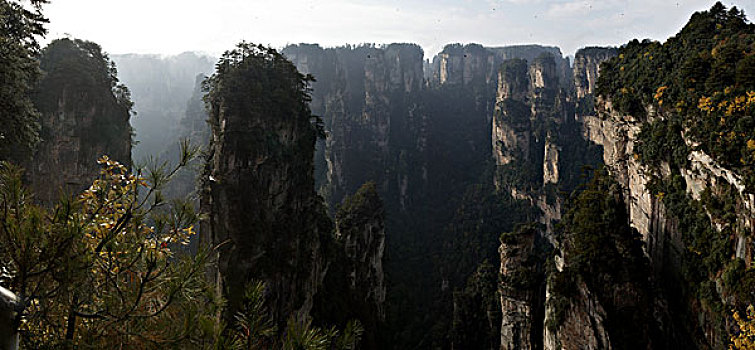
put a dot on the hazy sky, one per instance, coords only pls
(174, 26)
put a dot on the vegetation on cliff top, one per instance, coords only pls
(79, 79)
(706, 75)
(602, 251)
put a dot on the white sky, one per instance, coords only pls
(213, 26)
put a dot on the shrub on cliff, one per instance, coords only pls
(703, 74)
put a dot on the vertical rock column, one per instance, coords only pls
(521, 279)
(263, 213)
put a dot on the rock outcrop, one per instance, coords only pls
(360, 223)
(583, 326)
(520, 290)
(368, 99)
(265, 219)
(587, 68)
(354, 287)
(473, 64)
(424, 143)
(529, 128)
(264, 215)
(84, 115)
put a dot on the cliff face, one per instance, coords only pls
(587, 68)
(265, 218)
(354, 286)
(530, 120)
(539, 149)
(360, 223)
(665, 242)
(474, 64)
(367, 97)
(84, 115)
(424, 144)
(264, 214)
(521, 288)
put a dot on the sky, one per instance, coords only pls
(173, 26)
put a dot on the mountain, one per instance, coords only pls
(160, 88)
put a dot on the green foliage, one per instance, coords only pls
(661, 141)
(255, 70)
(301, 335)
(253, 329)
(477, 311)
(20, 27)
(600, 249)
(703, 74)
(81, 75)
(101, 270)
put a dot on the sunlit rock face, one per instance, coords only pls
(83, 117)
(587, 68)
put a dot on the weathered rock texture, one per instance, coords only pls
(529, 121)
(474, 64)
(366, 96)
(360, 224)
(665, 245)
(583, 326)
(354, 286)
(425, 144)
(265, 217)
(520, 289)
(84, 115)
(587, 68)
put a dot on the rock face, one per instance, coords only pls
(360, 223)
(587, 68)
(354, 286)
(264, 214)
(84, 115)
(266, 219)
(539, 147)
(583, 327)
(521, 282)
(424, 143)
(665, 244)
(618, 134)
(366, 96)
(474, 64)
(530, 118)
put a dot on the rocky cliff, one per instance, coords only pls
(425, 145)
(264, 216)
(679, 149)
(473, 64)
(367, 98)
(265, 220)
(84, 114)
(529, 128)
(354, 286)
